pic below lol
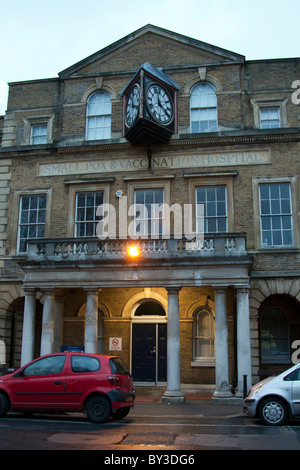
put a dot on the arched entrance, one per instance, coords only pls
(149, 343)
(279, 328)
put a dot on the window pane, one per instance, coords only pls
(32, 231)
(25, 202)
(24, 217)
(222, 225)
(46, 366)
(85, 364)
(40, 231)
(211, 225)
(285, 206)
(32, 216)
(266, 223)
(287, 237)
(24, 231)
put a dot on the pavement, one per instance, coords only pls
(196, 404)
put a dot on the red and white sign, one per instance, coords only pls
(115, 344)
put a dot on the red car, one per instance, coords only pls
(95, 384)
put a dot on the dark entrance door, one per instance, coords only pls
(149, 352)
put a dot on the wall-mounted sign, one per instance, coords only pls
(72, 349)
(159, 161)
(115, 344)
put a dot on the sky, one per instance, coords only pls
(40, 38)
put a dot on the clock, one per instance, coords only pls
(159, 104)
(132, 106)
(150, 107)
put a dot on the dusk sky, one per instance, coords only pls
(41, 38)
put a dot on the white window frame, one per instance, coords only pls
(278, 216)
(35, 121)
(141, 182)
(95, 220)
(273, 122)
(82, 187)
(14, 235)
(199, 218)
(151, 221)
(203, 360)
(101, 115)
(260, 104)
(293, 181)
(41, 136)
(211, 107)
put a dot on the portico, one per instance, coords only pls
(220, 263)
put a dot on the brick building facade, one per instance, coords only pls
(199, 312)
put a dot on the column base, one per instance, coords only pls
(225, 397)
(173, 397)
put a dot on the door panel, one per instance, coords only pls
(143, 352)
(296, 393)
(162, 352)
(41, 384)
(149, 352)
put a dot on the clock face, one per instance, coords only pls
(159, 104)
(132, 106)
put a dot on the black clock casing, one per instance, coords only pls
(150, 106)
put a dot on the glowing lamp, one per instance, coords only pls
(133, 251)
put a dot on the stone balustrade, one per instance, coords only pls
(229, 244)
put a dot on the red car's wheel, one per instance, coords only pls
(98, 410)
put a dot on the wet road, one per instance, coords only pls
(153, 427)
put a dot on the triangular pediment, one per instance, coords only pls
(155, 45)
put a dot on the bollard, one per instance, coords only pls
(244, 386)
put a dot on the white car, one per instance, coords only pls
(275, 399)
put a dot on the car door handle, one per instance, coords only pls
(57, 383)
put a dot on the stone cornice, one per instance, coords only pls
(182, 140)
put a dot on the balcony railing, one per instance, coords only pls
(76, 249)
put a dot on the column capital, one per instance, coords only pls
(48, 291)
(173, 289)
(92, 290)
(220, 289)
(29, 290)
(242, 289)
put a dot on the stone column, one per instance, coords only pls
(173, 393)
(221, 345)
(91, 321)
(28, 327)
(48, 323)
(243, 339)
(58, 323)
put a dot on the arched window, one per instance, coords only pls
(98, 117)
(150, 308)
(203, 106)
(204, 335)
(274, 337)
